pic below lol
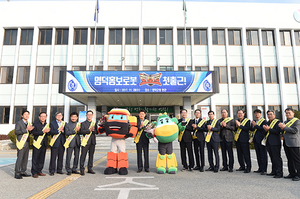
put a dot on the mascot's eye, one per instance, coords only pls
(112, 117)
(167, 120)
(121, 117)
(161, 121)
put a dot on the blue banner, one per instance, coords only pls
(138, 81)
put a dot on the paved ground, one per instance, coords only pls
(146, 185)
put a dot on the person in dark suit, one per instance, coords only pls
(72, 132)
(87, 128)
(213, 126)
(261, 150)
(199, 140)
(142, 142)
(38, 155)
(274, 145)
(57, 149)
(291, 143)
(226, 134)
(185, 126)
(242, 143)
(22, 128)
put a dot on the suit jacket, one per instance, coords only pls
(244, 135)
(226, 133)
(274, 136)
(187, 135)
(215, 136)
(53, 131)
(69, 130)
(143, 138)
(260, 132)
(292, 135)
(200, 130)
(20, 129)
(85, 130)
(37, 131)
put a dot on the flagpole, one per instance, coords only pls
(184, 14)
(95, 33)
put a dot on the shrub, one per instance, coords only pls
(12, 136)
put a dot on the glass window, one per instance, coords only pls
(182, 68)
(45, 37)
(234, 37)
(271, 74)
(55, 109)
(10, 36)
(201, 68)
(277, 110)
(62, 36)
(294, 107)
(6, 74)
(297, 37)
(219, 109)
(235, 110)
(80, 36)
(36, 111)
(237, 74)
(18, 113)
(149, 36)
(221, 70)
(200, 37)
(76, 109)
(4, 114)
(99, 36)
(150, 68)
(166, 68)
(115, 36)
(261, 108)
(132, 68)
(181, 39)
(97, 68)
(285, 38)
(255, 74)
(26, 36)
(132, 36)
(42, 75)
(252, 37)
(218, 37)
(289, 74)
(79, 68)
(56, 72)
(268, 37)
(23, 75)
(166, 36)
(115, 68)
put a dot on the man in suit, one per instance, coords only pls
(186, 130)
(57, 132)
(213, 128)
(242, 142)
(259, 134)
(88, 127)
(198, 140)
(71, 130)
(274, 144)
(227, 125)
(38, 155)
(22, 130)
(142, 142)
(291, 143)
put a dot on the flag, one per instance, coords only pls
(184, 11)
(96, 11)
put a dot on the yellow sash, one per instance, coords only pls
(70, 138)
(137, 137)
(264, 141)
(290, 123)
(253, 132)
(199, 125)
(23, 140)
(209, 134)
(54, 138)
(237, 134)
(228, 119)
(181, 132)
(86, 138)
(37, 143)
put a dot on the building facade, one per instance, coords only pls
(254, 47)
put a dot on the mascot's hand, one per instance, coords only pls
(181, 128)
(149, 135)
(128, 135)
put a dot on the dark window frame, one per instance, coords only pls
(10, 37)
(9, 77)
(22, 108)
(283, 38)
(271, 76)
(27, 40)
(255, 77)
(44, 31)
(234, 39)
(188, 34)
(61, 68)
(97, 36)
(267, 43)
(149, 37)
(165, 36)
(80, 36)
(287, 79)
(45, 80)
(219, 74)
(217, 33)
(24, 75)
(115, 36)
(200, 34)
(62, 36)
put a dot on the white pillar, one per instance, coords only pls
(92, 106)
(176, 110)
(157, 49)
(188, 106)
(141, 40)
(88, 52)
(192, 49)
(106, 42)
(175, 65)
(210, 64)
(123, 47)
(295, 53)
(228, 73)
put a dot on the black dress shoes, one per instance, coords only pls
(17, 176)
(230, 170)
(278, 176)
(69, 173)
(297, 178)
(139, 171)
(201, 169)
(224, 169)
(216, 170)
(76, 172)
(196, 168)
(51, 174)
(271, 174)
(147, 170)
(247, 171)
(210, 169)
(263, 173)
(289, 176)
(91, 171)
(60, 172)
(258, 171)
(241, 169)
(82, 173)
(25, 174)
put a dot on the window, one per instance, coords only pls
(56, 72)
(132, 36)
(99, 36)
(76, 109)
(218, 37)
(4, 114)
(181, 39)
(97, 68)
(150, 68)
(237, 75)
(55, 109)
(26, 36)
(262, 108)
(10, 37)
(182, 68)
(295, 107)
(45, 37)
(149, 36)
(6, 74)
(252, 37)
(166, 68)
(219, 109)
(115, 68)
(201, 68)
(236, 108)
(166, 36)
(23, 75)
(36, 112)
(79, 68)
(277, 110)
(289, 75)
(285, 38)
(200, 37)
(42, 75)
(133, 68)
(115, 36)
(221, 70)
(62, 36)
(80, 36)
(297, 37)
(234, 37)
(271, 75)
(18, 113)
(255, 74)
(268, 37)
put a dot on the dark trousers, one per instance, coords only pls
(56, 153)
(22, 159)
(199, 146)
(243, 153)
(262, 157)
(293, 157)
(69, 156)
(84, 150)
(38, 159)
(226, 148)
(145, 147)
(213, 146)
(183, 146)
(274, 153)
